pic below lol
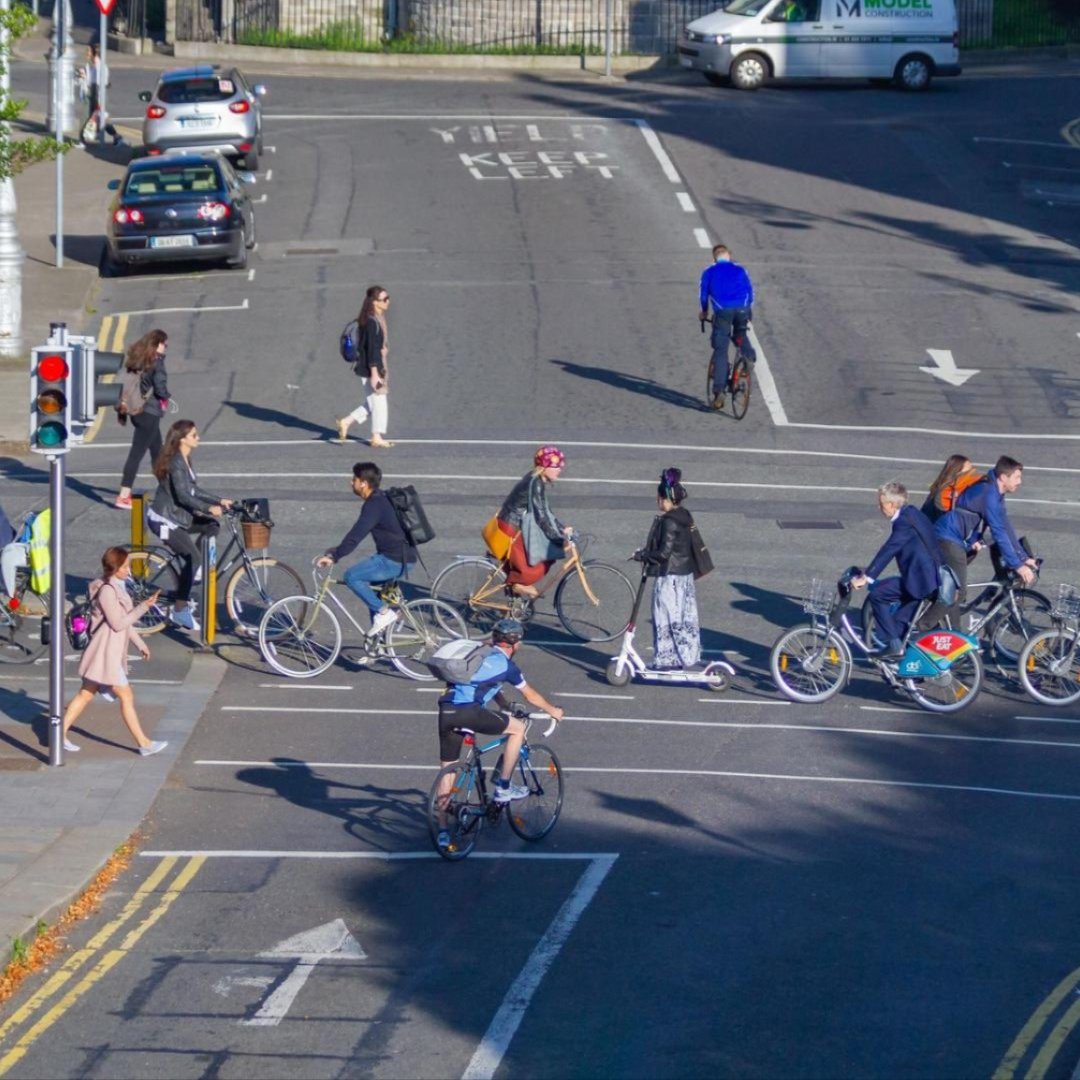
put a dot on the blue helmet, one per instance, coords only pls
(507, 631)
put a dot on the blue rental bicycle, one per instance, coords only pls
(939, 669)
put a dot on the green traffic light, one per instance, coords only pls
(51, 434)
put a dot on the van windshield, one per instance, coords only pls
(746, 7)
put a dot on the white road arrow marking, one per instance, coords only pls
(945, 368)
(331, 941)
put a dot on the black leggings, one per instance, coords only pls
(186, 543)
(145, 436)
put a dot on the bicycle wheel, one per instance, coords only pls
(532, 818)
(809, 664)
(952, 690)
(740, 388)
(252, 589)
(299, 637)
(20, 637)
(1050, 667)
(1010, 630)
(152, 569)
(475, 589)
(608, 616)
(421, 627)
(460, 811)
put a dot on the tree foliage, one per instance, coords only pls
(17, 154)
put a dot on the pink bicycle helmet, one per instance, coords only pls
(549, 457)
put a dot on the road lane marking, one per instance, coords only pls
(1060, 1032)
(77, 959)
(716, 700)
(600, 697)
(769, 391)
(1024, 142)
(269, 175)
(1049, 719)
(174, 310)
(685, 202)
(101, 968)
(302, 686)
(702, 238)
(1006, 1070)
(576, 118)
(859, 781)
(661, 155)
(380, 856)
(117, 346)
(496, 1041)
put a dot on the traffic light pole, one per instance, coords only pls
(57, 477)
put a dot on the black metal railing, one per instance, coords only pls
(996, 24)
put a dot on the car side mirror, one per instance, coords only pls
(145, 95)
(113, 185)
(247, 177)
(259, 90)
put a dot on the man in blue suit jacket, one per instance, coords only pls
(913, 545)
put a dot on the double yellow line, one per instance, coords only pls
(95, 949)
(110, 339)
(1055, 1038)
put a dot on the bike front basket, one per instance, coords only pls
(1067, 604)
(820, 599)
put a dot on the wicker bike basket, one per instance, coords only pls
(256, 534)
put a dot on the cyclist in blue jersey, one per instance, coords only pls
(727, 287)
(464, 705)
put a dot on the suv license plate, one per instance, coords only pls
(197, 121)
(172, 241)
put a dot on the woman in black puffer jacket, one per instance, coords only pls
(667, 557)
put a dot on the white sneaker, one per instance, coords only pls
(70, 747)
(184, 618)
(107, 695)
(508, 794)
(153, 748)
(384, 617)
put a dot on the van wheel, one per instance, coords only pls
(913, 73)
(749, 71)
(716, 80)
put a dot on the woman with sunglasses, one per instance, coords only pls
(372, 348)
(183, 514)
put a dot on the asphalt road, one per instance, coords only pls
(738, 886)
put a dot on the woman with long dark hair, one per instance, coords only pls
(668, 557)
(104, 664)
(372, 347)
(957, 474)
(183, 514)
(144, 407)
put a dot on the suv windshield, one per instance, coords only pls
(193, 91)
(174, 181)
(746, 7)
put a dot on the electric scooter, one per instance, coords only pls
(628, 664)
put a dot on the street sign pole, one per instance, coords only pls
(58, 117)
(56, 609)
(103, 72)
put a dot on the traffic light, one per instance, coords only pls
(92, 366)
(50, 398)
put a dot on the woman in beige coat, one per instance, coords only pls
(104, 664)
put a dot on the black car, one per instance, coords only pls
(179, 208)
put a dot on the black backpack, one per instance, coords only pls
(410, 514)
(77, 624)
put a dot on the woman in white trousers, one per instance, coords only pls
(371, 348)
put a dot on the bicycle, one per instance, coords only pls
(593, 599)
(740, 381)
(1013, 613)
(300, 636)
(461, 799)
(940, 669)
(252, 581)
(22, 638)
(1049, 665)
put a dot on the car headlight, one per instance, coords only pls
(708, 39)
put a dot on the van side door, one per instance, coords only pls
(856, 46)
(794, 30)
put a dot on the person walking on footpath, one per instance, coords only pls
(668, 557)
(91, 75)
(372, 347)
(104, 664)
(144, 397)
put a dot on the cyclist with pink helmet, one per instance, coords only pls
(538, 537)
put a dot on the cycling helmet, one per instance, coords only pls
(549, 457)
(507, 631)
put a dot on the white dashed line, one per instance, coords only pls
(685, 202)
(702, 238)
(269, 175)
(251, 275)
(659, 152)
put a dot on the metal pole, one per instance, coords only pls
(56, 609)
(103, 74)
(12, 255)
(208, 633)
(607, 39)
(59, 31)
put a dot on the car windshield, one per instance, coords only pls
(194, 91)
(746, 7)
(174, 181)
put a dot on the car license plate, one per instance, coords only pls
(185, 240)
(197, 121)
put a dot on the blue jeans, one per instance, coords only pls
(371, 571)
(728, 324)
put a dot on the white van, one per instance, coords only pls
(750, 41)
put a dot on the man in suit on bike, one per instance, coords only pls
(913, 545)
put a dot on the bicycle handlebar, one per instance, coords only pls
(519, 712)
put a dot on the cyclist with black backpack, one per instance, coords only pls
(393, 552)
(144, 394)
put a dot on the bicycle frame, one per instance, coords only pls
(484, 596)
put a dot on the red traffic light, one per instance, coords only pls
(52, 368)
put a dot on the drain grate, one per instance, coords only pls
(810, 524)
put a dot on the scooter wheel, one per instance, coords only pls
(718, 683)
(616, 677)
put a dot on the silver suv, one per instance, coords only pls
(205, 108)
